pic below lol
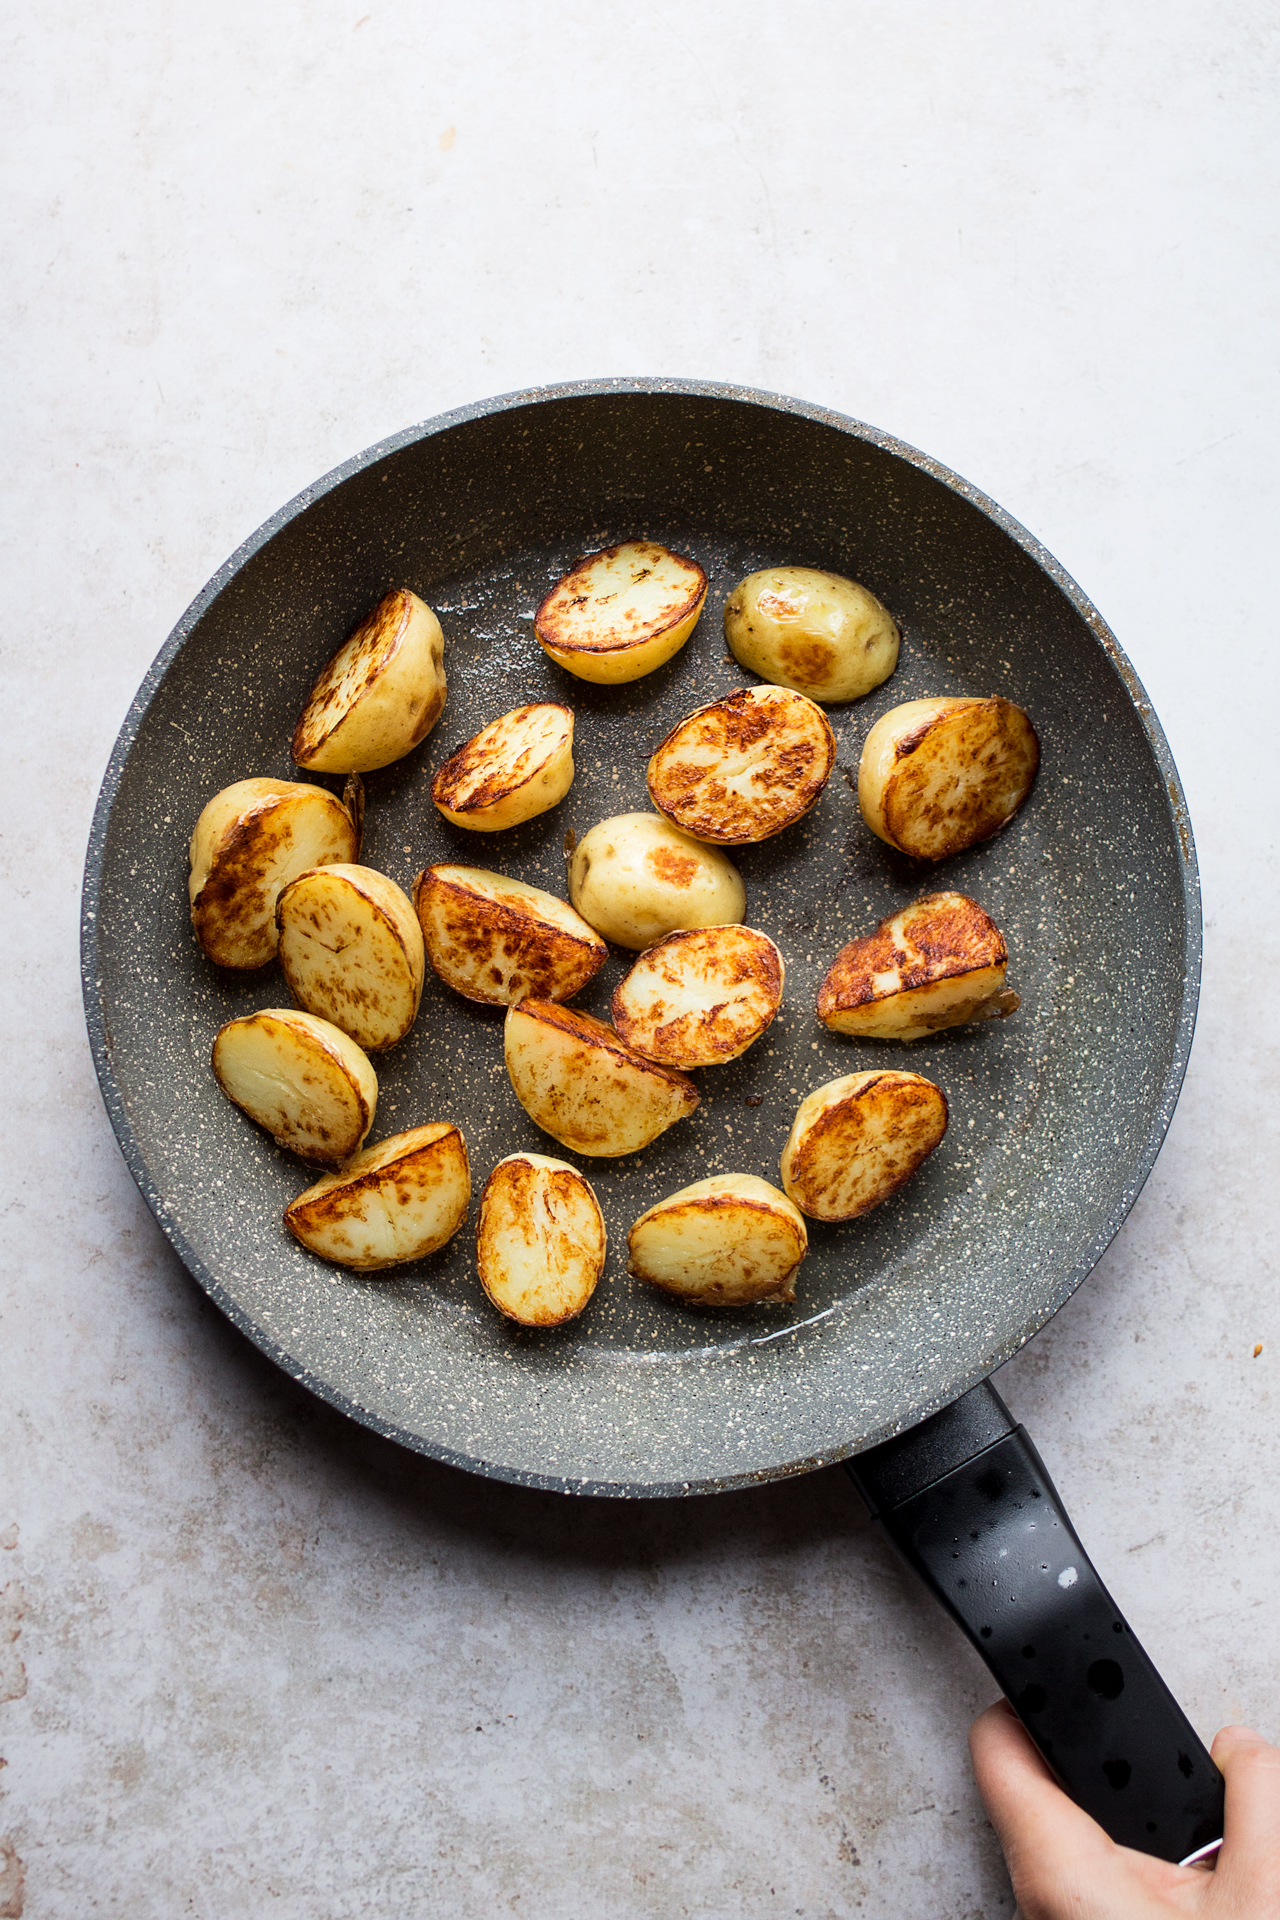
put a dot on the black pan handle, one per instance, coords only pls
(966, 1500)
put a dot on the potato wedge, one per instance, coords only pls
(636, 877)
(301, 1078)
(540, 1240)
(250, 841)
(724, 1242)
(380, 694)
(584, 1086)
(398, 1201)
(621, 612)
(498, 940)
(938, 963)
(351, 951)
(518, 766)
(815, 631)
(701, 997)
(936, 776)
(857, 1140)
(743, 768)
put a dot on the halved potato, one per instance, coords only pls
(817, 632)
(540, 1240)
(701, 997)
(398, 1201)
(936, 776)
(587, 1088)
(380, 694)
(724, 1242)
(636, 877)
(744, 767)
(518, 766)
(250, 841)
(938, 963)
(351, 951)
(857, 1140)
(301, 1078)
(498, 940)
(622, 612)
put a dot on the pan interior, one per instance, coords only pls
(1055, 1113)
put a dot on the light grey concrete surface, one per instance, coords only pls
(252, 1660)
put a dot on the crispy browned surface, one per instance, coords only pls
(540, 1206)
(586, 1124)
(472, 778)
(234, 913)
(862, 1148)
(958, 779)
(745, 767)
(752, 1279)
(937, 937)
(394, 1174)
(465, 932)
(739, 964)
(559, 620)
(353, 669)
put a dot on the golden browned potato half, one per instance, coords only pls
(938, 963)
(817, 632)
(302, 1078)
(587, 1088)
(498, 940)
(701, 997)
(250, 841)
(745, 767)
(540, 1240)
(724, 1242)
(857, 1140)
(398, 1201)
(636, 877)
(622, 612)
(380, 694)
(937, 776)
(518, 766)
(351, 951)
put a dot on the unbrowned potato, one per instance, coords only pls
(817, 632)
(587, 1088)
(636, 877)
(701, 997)
(351, 951)
(857, 1140)
(301, 1078)
(540, 1240)
(380, 694)
(398, 1201)
(518, 766)
(498, 940)
(940, 962)
(250, 841)
(622, 612)
(724, 1242)
(938, 775)
(744, 767)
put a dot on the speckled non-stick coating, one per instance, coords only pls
(1056, 1114)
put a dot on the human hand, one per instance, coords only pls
(1064, 1867)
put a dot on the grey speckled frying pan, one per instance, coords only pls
(1056, 1114)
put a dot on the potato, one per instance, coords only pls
(701, 997)
(398, 1201)
(636, 877)
(250, 841)
(301, 1078)
(857, 1140)
(587, 1088)
(724, 1242)
(498, 940)
(380, 694)
(937, 776)
(938, 963)
(351, 951)
(817, 632)
(743, 768)
(622, 612)
(540, 1240)
(518, 766)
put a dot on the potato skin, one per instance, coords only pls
(856, 1140)
(745, 767)
(584, 1086)
(379, 694)
(395, 1202)
(817, 632)
(497, 950)
(635, 878)
(540, 1240)
(517, 767)
(729, 1241)
(942, 774)
(939, 962)
(700, 997)
(249, 842)
(371, 986)
(592, 623)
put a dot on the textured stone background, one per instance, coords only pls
(252, 1660)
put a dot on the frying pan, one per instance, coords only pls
(1056, 1114)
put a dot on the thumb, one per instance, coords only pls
(1249, 1863)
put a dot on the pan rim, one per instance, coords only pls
(96, 1013)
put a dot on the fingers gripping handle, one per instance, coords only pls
(966, 1500)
